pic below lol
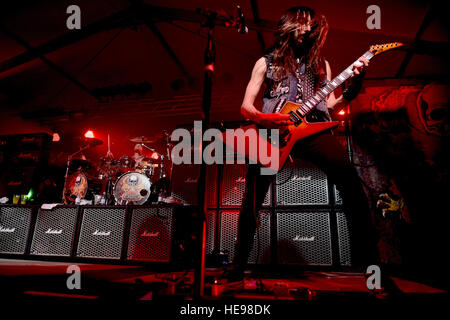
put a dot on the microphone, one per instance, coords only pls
(242, 28)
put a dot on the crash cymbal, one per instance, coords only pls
(91, 142)
(143, 140)
(160, 137)
(94, 142)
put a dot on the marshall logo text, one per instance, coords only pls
(101, 233)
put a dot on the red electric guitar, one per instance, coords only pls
(302, 128)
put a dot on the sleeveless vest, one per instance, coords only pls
(297, 88)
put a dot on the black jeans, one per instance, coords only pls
(330, 156)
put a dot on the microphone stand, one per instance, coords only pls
(209, 60)
(212, 18)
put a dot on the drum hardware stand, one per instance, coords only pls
(168, 148)
(161, 171)
(107, 192)
(108, 188)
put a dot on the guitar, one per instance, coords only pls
(301, 128)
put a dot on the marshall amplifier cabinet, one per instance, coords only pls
(337, 196)
(101, 233)
(344, 229)
(260, 253)
(54, 232)
(210, 231)
(233, 186)
(304, 238)
(301, 183)
(15, 223)
(185, 180)
(151, 234)
(23, 157)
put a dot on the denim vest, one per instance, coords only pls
(278, 92)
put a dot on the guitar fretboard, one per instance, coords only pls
(320, 95)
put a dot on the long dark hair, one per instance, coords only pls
(284, 52)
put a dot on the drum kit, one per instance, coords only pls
(139, 179)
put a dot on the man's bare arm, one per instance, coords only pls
(248, 109)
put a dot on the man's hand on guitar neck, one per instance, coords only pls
(273, 120)
(359, 69)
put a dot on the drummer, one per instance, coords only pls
(140, 159)
(138, 156)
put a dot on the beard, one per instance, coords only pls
(302, 47)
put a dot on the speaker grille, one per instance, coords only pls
(233, 185)
(151, 234)
(101, 233)
(301, 183)
(54, 232)
(304, 238)
(184, 183)
(210, 232)
(261, 244)
(14, 228)
(337, 196)
(344, 239)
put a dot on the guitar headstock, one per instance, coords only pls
(380, 48)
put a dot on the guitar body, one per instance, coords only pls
(303, 130)
(288, 138)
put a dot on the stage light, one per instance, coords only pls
(89, 134)
(342, 112)
(30, 194)
(56, 137)
(155, 156)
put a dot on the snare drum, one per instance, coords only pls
(132, 188)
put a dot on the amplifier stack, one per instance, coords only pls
(301, 222)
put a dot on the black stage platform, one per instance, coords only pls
(161, 286)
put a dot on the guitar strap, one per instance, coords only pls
(305, 84)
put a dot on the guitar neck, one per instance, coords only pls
(323, 93)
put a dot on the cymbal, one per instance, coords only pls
(91, 142)
(143, 140)
(94, 141)
(160, 137)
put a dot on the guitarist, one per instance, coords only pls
(292, 71)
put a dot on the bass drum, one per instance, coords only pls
(132, 188)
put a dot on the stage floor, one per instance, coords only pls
(31, 279)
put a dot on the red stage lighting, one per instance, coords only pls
(155, 156)
(56, 137)
(89, 134)
(342, 112)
